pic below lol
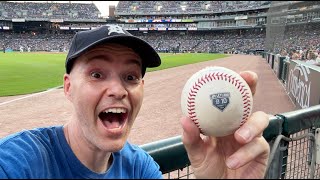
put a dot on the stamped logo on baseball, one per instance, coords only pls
(218, 100)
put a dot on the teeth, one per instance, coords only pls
(115, 110)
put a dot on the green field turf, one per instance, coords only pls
(25, 73)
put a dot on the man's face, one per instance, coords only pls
(105, 87)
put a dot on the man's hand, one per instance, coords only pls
(243, 154)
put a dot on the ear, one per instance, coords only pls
(67, 86)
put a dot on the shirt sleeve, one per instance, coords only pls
(152, 169)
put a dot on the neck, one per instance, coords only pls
(89, 155)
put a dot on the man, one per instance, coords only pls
(104, 82)
(21, 49)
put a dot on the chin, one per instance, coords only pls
(113, 145)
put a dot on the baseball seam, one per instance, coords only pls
(216, 76)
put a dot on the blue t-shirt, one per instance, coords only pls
(45, 153)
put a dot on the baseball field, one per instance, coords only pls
(25, 73)
(161, 104)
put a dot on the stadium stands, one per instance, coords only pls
(11, 10)
(181, 26)
(36, 41)
(180, 7)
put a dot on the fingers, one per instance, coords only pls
(255, 146)
(191, 139)
(251, 78)
(257, 150)
(191, 133)
(254, 127)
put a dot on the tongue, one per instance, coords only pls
(111, 121)
(111, 124)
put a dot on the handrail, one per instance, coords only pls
(171, 154)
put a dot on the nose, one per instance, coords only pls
(116, 89)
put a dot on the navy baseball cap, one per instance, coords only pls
(85, 40)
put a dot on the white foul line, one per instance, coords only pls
(7, 102)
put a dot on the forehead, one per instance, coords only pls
(112, 51)
(113, 48)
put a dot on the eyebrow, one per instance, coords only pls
(105, 57)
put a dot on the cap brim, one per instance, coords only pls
(149, 56)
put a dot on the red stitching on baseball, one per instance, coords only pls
(190, 102)
(191, 113)
(196, 88)
(190, 106)
(245, 93)
(246, 102)
(246, 106)
(206, 77)
(193, 91)
(190, 98)
(203, 80)
(216, 76)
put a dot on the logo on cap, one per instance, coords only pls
(115, 28)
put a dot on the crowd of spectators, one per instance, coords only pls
(35, 41)
(300, 41)
(161, 7)
(194, 16)
(166, 41)
(210, 41)
(9, 10)
(296, 41)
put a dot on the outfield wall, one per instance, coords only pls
(301, 79)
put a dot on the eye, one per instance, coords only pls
(96, 75)
(132, 78)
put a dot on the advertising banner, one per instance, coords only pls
(18, 20)
(303, 84)
(143, 29)
(56, 20)
(187, 20)
(162, 29)
(192, 28)
(130, 28)
(64, 28)
(152, 28)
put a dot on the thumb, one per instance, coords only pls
(192, 140)
(251, 78)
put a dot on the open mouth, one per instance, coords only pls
(113, 118)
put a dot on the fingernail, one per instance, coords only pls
(244, 133)
(232, 163)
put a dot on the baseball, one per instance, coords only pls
(218, 100)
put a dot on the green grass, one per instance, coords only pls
(24, 73)
(173, 60)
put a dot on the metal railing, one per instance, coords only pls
(291, 137)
